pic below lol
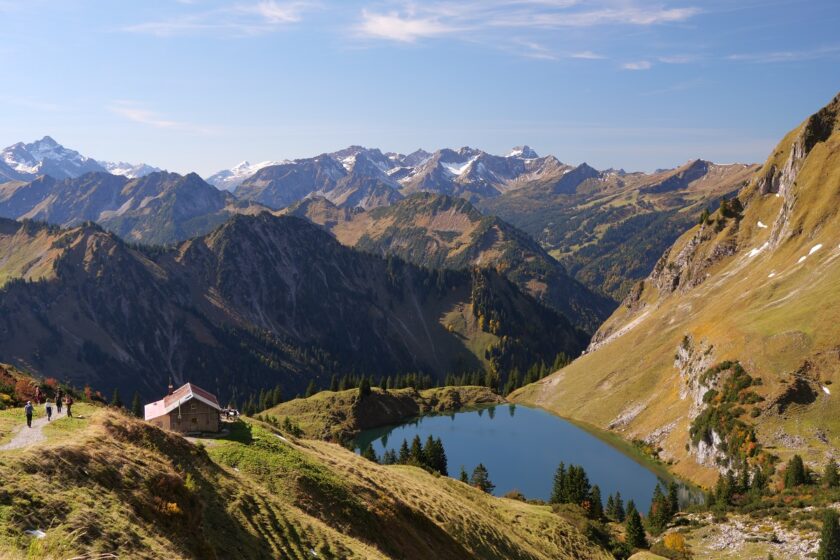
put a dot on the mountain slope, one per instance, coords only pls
(609, 227)
(110, 482)
(438, 231)
(757, 283)
(259, 301)
(156, 208)
(43, 157)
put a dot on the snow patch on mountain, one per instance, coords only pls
(46, 157)
(130, 170)
(229, 179)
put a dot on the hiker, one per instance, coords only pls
(28, 409)
(68, 400)
(48, 409)
(58, 398)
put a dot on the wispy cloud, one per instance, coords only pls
(257, 18)
(405, 28)
(30, 103)
(409, 22)
(677, 59)
(637, 65)
(587, 55)
(134, 111)
(831, 51)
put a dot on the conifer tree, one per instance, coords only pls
(115, 399)
(620, 514)
(558, 488)
(596, 509)
(416, 456)
(609, 510)
(370, 454)
(136, 406)
(277, 395)
(405, 453)
(830, 475)
(364, 388)
(464, 477)
(334, 383)
(389, 457)
(673, 499)
(311, 389)
(795, 473)
(830, 537)
(481, 479)
(633, 528)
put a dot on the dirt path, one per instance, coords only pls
(27, 436)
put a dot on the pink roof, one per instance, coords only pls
(178, 397)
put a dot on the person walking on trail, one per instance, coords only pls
(48, 409)
(29, 409)
(58, 399)
(68, 400)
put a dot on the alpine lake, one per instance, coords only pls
(522, 448)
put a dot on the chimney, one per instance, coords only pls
(171, 388)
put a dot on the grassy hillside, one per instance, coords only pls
(337, 415)
(758, 282)
(113, 484)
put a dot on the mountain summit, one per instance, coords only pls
(24, 162)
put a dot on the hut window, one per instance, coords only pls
(193, 406)
(194, 420)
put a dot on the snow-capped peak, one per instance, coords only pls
(45, 156)
(229, 179)
(129, 170)
(523, 152)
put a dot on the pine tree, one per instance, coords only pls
(596, 509)
(115, 399)
(759, 481)
(464, 477)
(609, 510)
(481, 479)
(435, 456)
(830, 537)
(830, 475)
(620, 514)
(370, 454)
(558, 489)
(136, 406)
(416, 456)
(405, 453)
(311, 389)
(389, 457)
(633, 528)
(657, 516)
(673, 499)
(577, 485)
(795, 473)
(277, 396)
(334, 383)
(364, 388)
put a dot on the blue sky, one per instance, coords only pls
(203, 84)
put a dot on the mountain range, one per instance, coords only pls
(606, 227)
(750, 292)
(260, 300)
